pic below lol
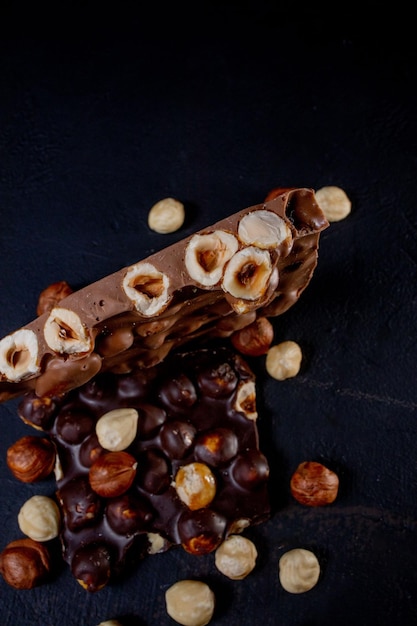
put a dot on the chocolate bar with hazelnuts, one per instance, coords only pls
(256, 262)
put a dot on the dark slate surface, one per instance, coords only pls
(104, 111)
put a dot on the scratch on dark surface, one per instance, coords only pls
(361, 395)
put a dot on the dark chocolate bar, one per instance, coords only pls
(191, 474)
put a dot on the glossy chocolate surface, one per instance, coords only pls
(190, 412)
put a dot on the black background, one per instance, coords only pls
(106, 109)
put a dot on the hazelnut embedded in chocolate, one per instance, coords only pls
(217, 446)
(129, 514)
(201, 531)
(91, 566)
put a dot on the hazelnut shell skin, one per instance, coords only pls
(31, 458)
(314, 484)
(25, 564)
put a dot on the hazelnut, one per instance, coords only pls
(313, 484)
(65, 333)
(190, 603)
(166, 216)
(264, 229)
(195, 485)
(39, 518)
(247, 274)
(112, 474)
(284, 360)
(246, 400)
(299, 570)
(236, 557)
(25, 563)
(207, 255)
(31, 458)
(117, 429)
(19, 355)
(334, 203)
(111, 622)
(147, 288)
(254, 339)
(49, 297)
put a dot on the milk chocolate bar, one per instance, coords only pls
(191, 474)
(206, 286)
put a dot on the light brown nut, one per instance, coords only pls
(284, 360)
(52, 295)
(147, 288)
(65, 333)
(314, 484)
(25, 563)
(112, 473)
(299, 570)
(334, 203)
(247, 274)
(39, 518)
(246, 400)
(236, 557)
(190, 603)
(110, 622)
(31, 458)
(206, 256)
(19, 355)
(254, 339)
(195, 485)
(117, 429)
(264, 229)
(166, 216)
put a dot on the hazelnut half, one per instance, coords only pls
(31, 458)
(25, 563)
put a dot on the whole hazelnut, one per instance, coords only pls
(112, 474)
(39, 518)
(254, 339)
(299, 570)
(314, 484)
(190, 602)
(31, 458)
(49, 297)
(25, 563)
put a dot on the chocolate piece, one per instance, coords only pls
(190, 418)
(255, 262)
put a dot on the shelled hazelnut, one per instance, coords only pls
(190, 603)
(39, 518)
(284, 360)
(166, 216)
(31, 458)
(25, 563)
(299, 570)
(314, 484)
(236, 557)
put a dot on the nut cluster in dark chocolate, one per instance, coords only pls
(196, 441)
